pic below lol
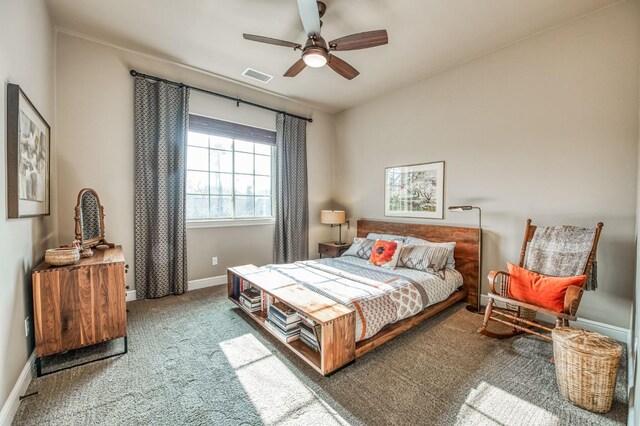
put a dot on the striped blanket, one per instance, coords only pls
(379, 296)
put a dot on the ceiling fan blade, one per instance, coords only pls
(342, 68)
(309, 16)
(270, 40)
(360, 40)
(295, 68)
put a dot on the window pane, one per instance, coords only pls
(221, 183)
(197, 207)
(244, 206)
(263, 206)
(244, 185)
(221, 161)
(198, 139)
(262, 148)
(197, 158)
(221, 207)
(263, 185)
(244, 163)
(220, 142)
(263, 165)
(244, 146)
(197, 182)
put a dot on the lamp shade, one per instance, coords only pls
(333, 217)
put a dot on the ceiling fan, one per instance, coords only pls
(316, 51)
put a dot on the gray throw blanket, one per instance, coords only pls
(562, 251)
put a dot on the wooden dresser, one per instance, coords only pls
(79, 305)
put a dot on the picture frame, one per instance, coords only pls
(415, 190)
(28, 157)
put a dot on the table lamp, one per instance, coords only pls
(334, 218)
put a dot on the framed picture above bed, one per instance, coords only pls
(415, 190)
(28, 157)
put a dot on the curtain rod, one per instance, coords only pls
(238, 101)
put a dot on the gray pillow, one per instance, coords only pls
(428, 258)
(385, 237)
(361, 248)
(451, 262)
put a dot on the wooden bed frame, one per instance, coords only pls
(338, 321)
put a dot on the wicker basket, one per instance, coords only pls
(586, 367)
(62, 256)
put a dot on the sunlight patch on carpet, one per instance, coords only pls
(276, 393)
(488, 404)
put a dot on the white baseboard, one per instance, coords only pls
(207, 282)
(620, 334)
(12, 403)
(192, 285)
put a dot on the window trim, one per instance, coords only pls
(227, 223)
(234, 132)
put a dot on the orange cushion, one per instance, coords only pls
(540, 290)
(385, 254)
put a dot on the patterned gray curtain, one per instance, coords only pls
(292, 197)
(161, 124)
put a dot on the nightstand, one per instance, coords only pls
(332, 249)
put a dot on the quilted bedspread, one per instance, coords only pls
(379, 296)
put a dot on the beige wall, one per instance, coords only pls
(27, 58)
(546, 128)
(95, 121)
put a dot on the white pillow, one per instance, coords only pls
(451, 262)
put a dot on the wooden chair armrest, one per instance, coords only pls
(498, 277)
(572, 299)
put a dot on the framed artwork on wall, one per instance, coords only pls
(28, 157)
(416, 190)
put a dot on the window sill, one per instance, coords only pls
(224, 223)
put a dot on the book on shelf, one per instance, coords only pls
(284, 312)
(311, 335)
(239, 286)
(250, 299)
(248, 305)
(311, 343)
(252, 294)
(284, 335)
(282, 324)
(267, 301)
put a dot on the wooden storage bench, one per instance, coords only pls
(337, 346)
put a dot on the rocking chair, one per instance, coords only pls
(520, 316)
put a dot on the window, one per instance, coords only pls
(228, 177)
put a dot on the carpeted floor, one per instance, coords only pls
(196, 359)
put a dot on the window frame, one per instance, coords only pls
(234, 132)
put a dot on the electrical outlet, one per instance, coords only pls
(214, 261)
(26, 327)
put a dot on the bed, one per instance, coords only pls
(359, 305)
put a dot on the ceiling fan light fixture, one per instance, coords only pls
(315, 57)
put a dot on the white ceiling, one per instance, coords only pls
(425, 37)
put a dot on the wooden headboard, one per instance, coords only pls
(466, 254)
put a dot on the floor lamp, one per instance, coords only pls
(477, 308)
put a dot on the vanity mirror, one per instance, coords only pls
(90, 220)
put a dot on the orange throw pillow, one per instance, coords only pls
(540, 290)
(385, 254)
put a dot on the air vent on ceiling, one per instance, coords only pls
(257, 75)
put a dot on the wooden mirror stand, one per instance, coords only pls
(90, 220)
